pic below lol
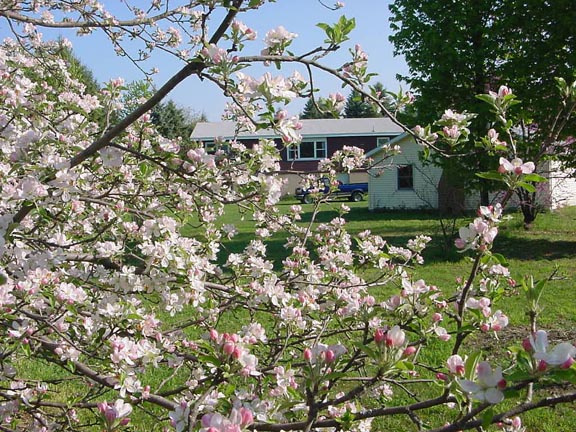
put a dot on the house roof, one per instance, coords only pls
(381, 126)
(393, 141)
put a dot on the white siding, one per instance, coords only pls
(383, 181)
(562, 186)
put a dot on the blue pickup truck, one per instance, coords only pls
(353, 191)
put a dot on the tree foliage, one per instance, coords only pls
(455, 50)
(175, 122)
(311, 111)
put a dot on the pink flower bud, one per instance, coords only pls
(237, 352)
(110, 415)
(307, 354)
(247, 417)
(437, 317)
(409, 351)
(102, 406)
(379, 335)
(485, 327)
(330, 356)
(502, 169)
(441, 376)
(213, 335)
(542, 366)
(527, 345)
(567, 363)
(501, 384)
(229, 348)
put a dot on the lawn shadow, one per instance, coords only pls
(533, 249)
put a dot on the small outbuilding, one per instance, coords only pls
(404, 181)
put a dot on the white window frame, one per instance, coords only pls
(212, 147)
(400, 177)
(320, 150)
(380, 141)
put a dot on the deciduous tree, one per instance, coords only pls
(455, 50)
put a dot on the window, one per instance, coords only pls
(405, 177)
(211, 147)
(380, 141)
(308, 150)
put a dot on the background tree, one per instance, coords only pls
(175, 122)
(358, 107)
(76, 68)
(311, 111)
(455, 50)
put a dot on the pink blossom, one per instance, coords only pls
(455, 364)
(115, 415)
(488, 385)
(215, 54)
(442, 334)
(561, 355)
(516, 166)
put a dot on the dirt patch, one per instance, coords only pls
(513, 336)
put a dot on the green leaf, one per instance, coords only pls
(486, 98)
(529, 187)
(501, 259)
(334, 376)
(470, 366)
(534, 178)
(487, 417)
(368, 351)
(491, 175)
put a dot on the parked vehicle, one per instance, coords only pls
(353, 191)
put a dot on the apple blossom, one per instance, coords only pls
(561, 355)
(516, 166)
(456, 365)
(488, 385)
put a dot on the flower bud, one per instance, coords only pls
(307, 354)
(229, 348)
(542, 366)
(409, 351)
(527, 345)
(379, 335)
(247, 417)
(567, 363)
(441, 376)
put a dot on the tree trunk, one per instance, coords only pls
(528, 207)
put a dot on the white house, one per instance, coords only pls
(405, 182)
(402, 181)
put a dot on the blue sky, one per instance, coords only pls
(298, 16)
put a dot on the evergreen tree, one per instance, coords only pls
(174, 122)
(310, 111)
(357, 107)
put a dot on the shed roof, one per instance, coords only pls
(381, 126)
